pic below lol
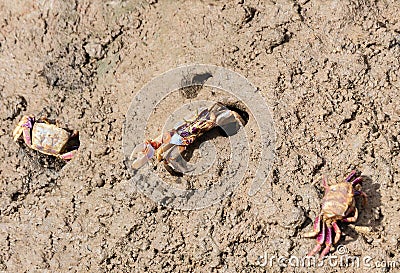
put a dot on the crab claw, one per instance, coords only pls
(173, 158)
(143, 152)
(176, 139)
(23, 128)
(228, 120)
(17, 132)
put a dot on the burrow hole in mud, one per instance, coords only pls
(241, 110)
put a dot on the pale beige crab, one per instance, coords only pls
(46, 137)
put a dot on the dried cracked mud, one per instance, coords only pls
(329, 71)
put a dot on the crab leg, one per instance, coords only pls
(363, 195)
(328, 243)
(75, 133)
(143, 152)
(325, 184)
(320, 241)
(317, 228)
(357, 181)
(173, 158)
(47, 121)
(27, 136)
(350, 176)
(68, 155)
(353, 218)
(338, 232)
(24, 127)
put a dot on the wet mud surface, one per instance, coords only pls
(329, 71)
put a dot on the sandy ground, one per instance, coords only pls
(329, 71)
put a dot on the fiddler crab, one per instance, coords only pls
(168, 146)
(46, 137)
(338, 204)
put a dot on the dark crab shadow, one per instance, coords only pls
(369, 216)
(42, 161)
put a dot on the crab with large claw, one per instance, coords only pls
(44, 136)
(338, 204)
(168, 146)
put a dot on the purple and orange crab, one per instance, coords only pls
(338, 204)
(46, 137)
(168, 146)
